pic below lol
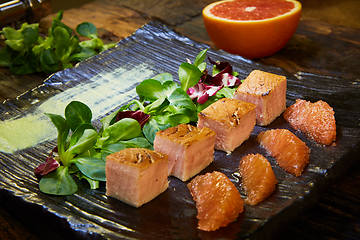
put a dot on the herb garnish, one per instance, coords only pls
(81, 149)
(26, 51)
(161, 103)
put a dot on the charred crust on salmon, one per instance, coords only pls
(189, 149)
(227, 111)
(139, 158)
(202, 114)
(189, 128)
(136, 156)
(235, 117)
(185, 134)
(260, 82)
(267, 91)
(151, 160)
(231, 119)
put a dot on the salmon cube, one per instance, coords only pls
(232, 120)
(136, 175)
(290, 152)
(316, 120)
(218, 202)
(258, 178)
(267, 91)
(189, 149)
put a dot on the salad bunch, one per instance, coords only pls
(161, 103)
(27, 51)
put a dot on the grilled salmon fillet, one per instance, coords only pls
(231, 119)
(218, 201)
(136, 175)
(267, 91)
(316, 120)
(290, 152)
(189, 149)
(258, 178)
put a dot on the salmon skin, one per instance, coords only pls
(136, 175)
(267, 91)
(290, 152)
(316, 120)
(190, 149)
(257, 178)
(231, 119)
(218, 202)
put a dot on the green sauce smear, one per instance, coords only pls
(102, 93)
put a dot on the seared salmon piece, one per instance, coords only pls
(136, 175)
(290, 152)
(218, 202)
(267, 91)
(189, 149)
(316, 120)
(258, 178)
(232, 120)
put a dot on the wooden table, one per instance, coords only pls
(327, 42)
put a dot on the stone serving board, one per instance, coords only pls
(153, 49)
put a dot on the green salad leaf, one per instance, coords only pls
(87, 29)
(93, 168)
(189, 75)
(77, 113)
(27, 51)
(58, 182)
(124, 129)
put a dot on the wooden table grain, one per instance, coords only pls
(327, 42)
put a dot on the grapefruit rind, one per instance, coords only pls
(252, 38)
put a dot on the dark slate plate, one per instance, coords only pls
(91, 215)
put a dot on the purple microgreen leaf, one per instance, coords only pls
(229, 80)
(212, 90)
(48, 166)
(222, 79)
(196, 91)
(209, 85)
(221, 66)
(202, 92)
(204, 76)
(202, 99)
(138, 115)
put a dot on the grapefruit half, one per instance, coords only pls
(251, 28)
